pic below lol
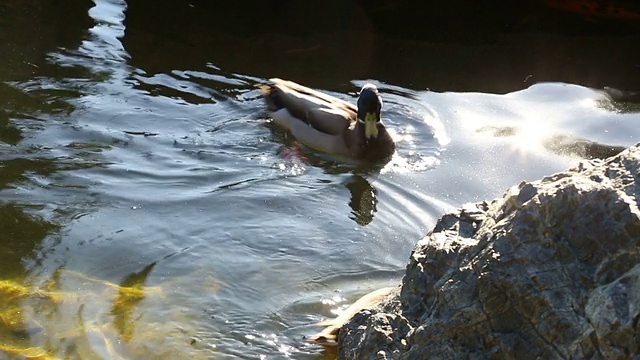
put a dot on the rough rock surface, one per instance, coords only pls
(549, 271)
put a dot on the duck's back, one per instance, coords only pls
(323, 112)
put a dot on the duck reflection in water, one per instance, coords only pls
(363, 195)
(363, 201)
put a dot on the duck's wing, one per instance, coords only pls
(313, 93)
(312, 137)
(325, 113)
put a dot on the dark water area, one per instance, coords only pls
(492, 46)
(150, 209)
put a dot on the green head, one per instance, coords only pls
(369, 106)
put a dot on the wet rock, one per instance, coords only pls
(549, 271)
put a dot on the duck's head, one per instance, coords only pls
(369, 106)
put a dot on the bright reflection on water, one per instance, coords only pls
(164, 216)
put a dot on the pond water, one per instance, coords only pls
(149, 209)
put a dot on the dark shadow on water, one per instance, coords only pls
(29, 30)
(9, 134)
(498, 46)
(20, 238)
(620, 100)
(11, 102)
(13, 171)
(618, 95)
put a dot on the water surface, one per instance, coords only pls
(149, 208)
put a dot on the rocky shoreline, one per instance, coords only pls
(549, 271)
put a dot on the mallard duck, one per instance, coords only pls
(329, 335)
(328, 124)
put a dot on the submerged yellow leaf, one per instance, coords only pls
(35, 353)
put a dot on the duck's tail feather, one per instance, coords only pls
(270, 94)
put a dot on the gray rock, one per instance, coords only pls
(549, 271)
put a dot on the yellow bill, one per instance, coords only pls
(370, 126)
